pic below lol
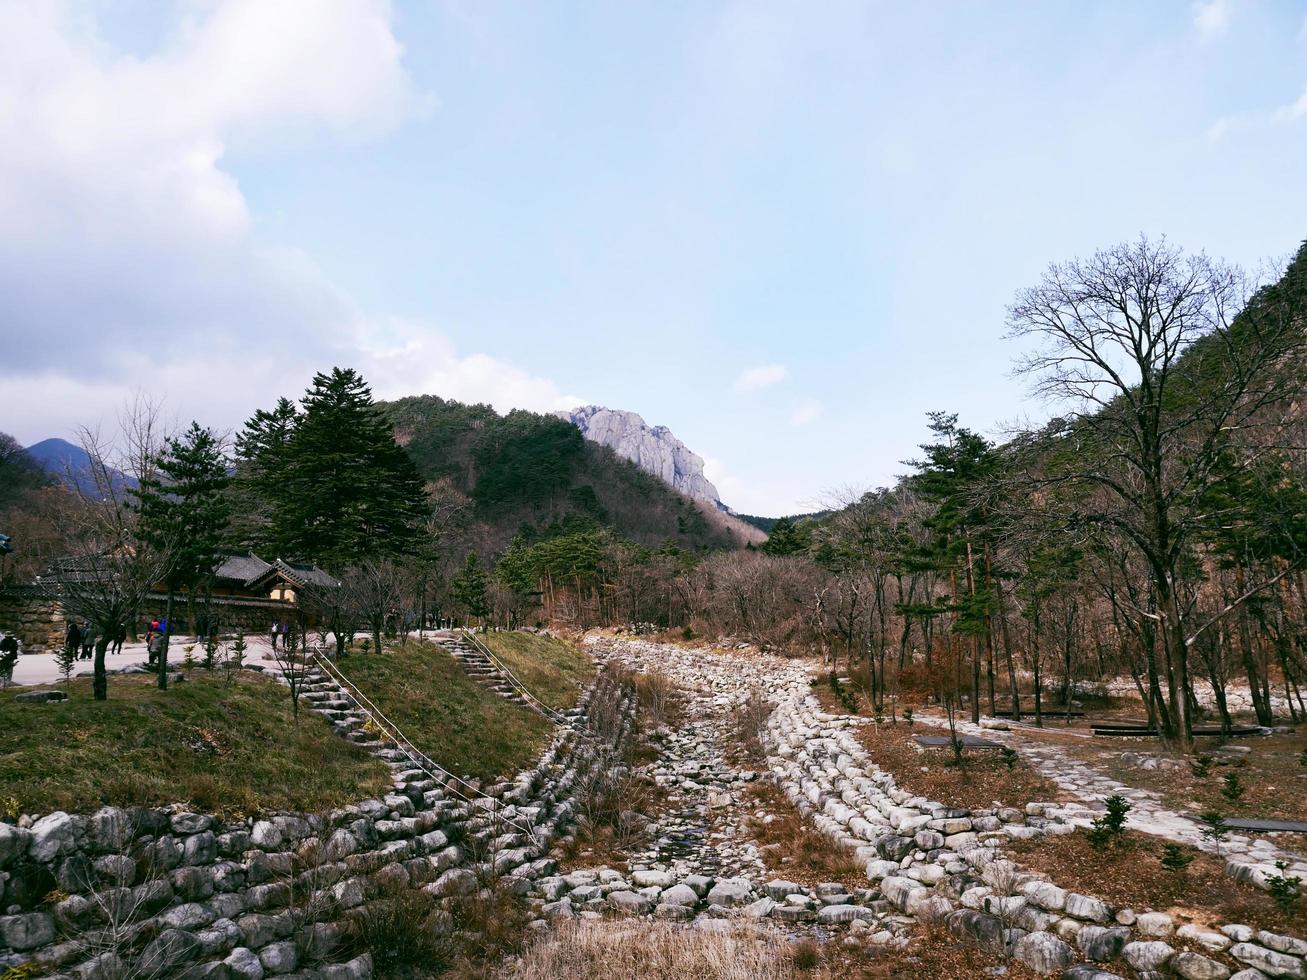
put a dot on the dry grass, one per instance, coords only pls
(983, 780)
(934, 952)
(662, 951)
(613, 798)
(1129, 875)
(653, 951)
(219, 746)
(792, 847)
(1272, 775)
(553, 670)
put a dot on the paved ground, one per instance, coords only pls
(37, 669)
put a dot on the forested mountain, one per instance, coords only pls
(529, 472)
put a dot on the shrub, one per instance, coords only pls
(1111, 824)
(1233, 788)
(1176, 858)
(1009, 757)
(807, 955)
(1284, 889)
(1201, 765)
(1302, 758)
(210, 653)
(1214, 827)
(907, 716)
(687, 634)
(403, 928)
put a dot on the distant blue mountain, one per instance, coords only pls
(69, 463)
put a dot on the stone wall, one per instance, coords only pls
(163, 891)
(946, 865)
(33, 616)
(40, 623)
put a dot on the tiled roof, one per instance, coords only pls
(243, 568)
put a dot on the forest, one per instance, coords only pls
(1154, 527)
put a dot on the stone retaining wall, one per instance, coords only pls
(35, 618)
(162, 891)
(945, 864)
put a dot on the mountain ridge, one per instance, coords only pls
(653, 448)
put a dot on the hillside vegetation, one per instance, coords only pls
(553, 670)
(464, 727)
(219, 747)
(536, 471)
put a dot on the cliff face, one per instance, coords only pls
(652, 448)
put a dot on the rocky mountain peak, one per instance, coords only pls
(652, 448)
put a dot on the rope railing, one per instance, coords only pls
(419, 759)
(484, 649)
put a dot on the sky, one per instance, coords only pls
(786, 231)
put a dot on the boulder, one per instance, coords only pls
(1145, 956)
(680, 895)
(1268, 961)
(243, 964)
(1086, 907)
(731, 892)
(832, 914)
(631, 902)
(1101, 944)
(23, 932)
(1154, 924)
(51, 837)
(1196, 966)
(1043, 952)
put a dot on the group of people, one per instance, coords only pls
(80, 639)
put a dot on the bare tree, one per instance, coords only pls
(1141, 347)
(106, 572)
(376, 590)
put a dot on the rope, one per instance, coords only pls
(406, 746)
(555, 716)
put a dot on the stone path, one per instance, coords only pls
(926, 860)
(1247, 858)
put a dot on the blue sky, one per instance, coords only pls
(784, 230)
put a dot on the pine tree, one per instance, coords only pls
(263, 453)
(469, 588)
(787, 538)
(345, 489)
(184, 512)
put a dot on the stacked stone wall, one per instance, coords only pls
(164, 891)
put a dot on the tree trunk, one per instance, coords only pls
(100, 679)
(1007, 652)
(163, 645)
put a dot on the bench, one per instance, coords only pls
(966, 741)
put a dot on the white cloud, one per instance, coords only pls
(401, 357)
(1211, 18)
(751, 379)
(807, 412)
(129, 258)
(1293, 111)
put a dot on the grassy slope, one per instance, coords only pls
(554, 671)
(464, 727)
(220, 748)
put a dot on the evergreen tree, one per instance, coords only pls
(956, 467)
(787, 538)
(263, 452)
(469, 588)
(184, 512)
(335, 486)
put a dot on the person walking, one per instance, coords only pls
(73, 639)
(118, 638)
(276, 628)
(89, 637)
(8, 658)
